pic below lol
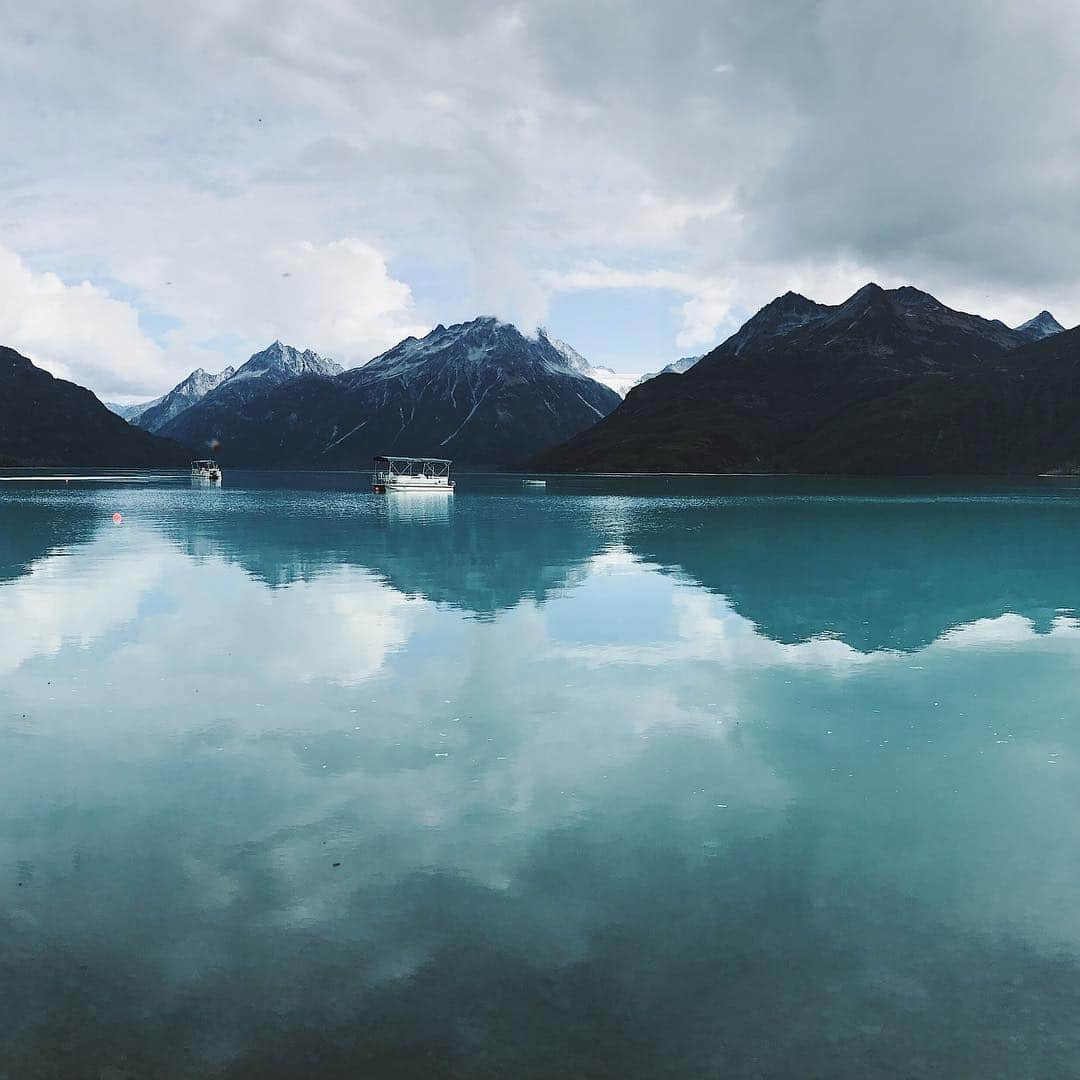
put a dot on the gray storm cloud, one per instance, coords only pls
(736, 147)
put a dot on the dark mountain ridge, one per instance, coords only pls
(45, 421)
(881, 383)
(480, 392)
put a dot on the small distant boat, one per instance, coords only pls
(392, 474)
(206, 470)
(534, 483)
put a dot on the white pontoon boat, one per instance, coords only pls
(206, 470)
(411, 474)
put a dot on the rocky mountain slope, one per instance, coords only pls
(202, 422)
(156, 414)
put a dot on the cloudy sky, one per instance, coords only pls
(185, 182)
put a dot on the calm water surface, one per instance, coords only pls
(624, 778)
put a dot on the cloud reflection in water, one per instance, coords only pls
(610, 826)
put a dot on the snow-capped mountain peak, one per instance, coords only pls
(472, 345)
(154, 415)
(285, 360)
(1043, 325)
(200, 382)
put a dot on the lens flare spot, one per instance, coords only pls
(117, 518)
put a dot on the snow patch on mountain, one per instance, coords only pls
(132, 412)
(471, 345)
(481, 341)
(676, 367)
(156, 414)
(284, 360)
(620, 383)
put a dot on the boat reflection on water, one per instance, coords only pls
(418, 507)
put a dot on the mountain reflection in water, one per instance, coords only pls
(631, 778)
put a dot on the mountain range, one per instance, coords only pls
(206, 418)
(480, 392)
(51, 422)
(276, 364)
(889, 382)
(152, 415)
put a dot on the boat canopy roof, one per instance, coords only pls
(204, 461)
(415, 460)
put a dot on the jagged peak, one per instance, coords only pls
(789, 301)
(281, 348)
(910, 292)
(482, 341)
(490, 321)
(871, 297)
(792, 296)
(780, 316)
(914, 300)
(870, 291)
(1041, 326)
(567, 354)
(275, 348)
(481, 322)
(284, 359)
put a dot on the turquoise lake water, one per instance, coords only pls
(622, 778)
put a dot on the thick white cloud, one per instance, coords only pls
(77, 331)
(190, 155)
(338, 298)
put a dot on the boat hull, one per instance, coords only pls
(391, 485)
